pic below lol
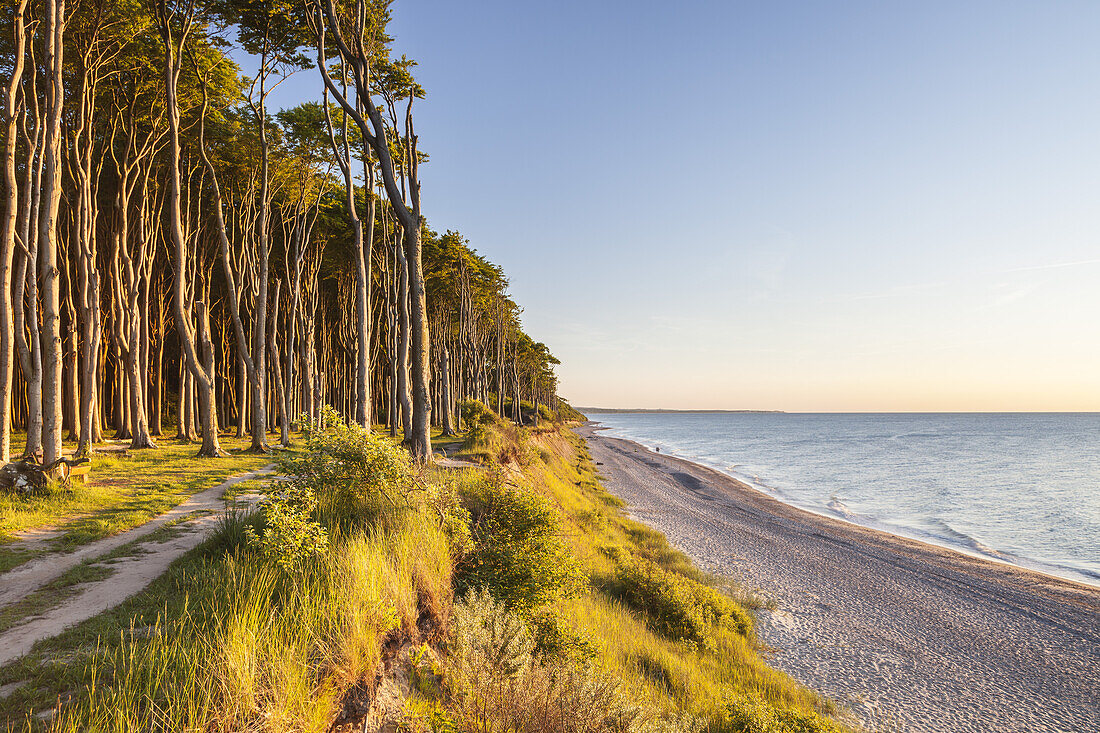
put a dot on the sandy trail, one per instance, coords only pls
(456, 463)
(910, 636)
(131, 574)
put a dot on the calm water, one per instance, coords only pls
(1023, 488)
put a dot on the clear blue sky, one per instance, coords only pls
(779, 205)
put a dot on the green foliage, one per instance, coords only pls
(652, 545)
(352, 472)
(496, 441)
(555, 639)
(496, 682)
(234, 642)
(677, 606)
(289, 536)
(444, 502)
(475, 412)
(519, 553)
(567, 413)
(750, 714)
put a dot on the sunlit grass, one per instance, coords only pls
(675, 674)
(226, 641)
(121, 492)
(229, 641)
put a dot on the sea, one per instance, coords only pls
(1022, 488)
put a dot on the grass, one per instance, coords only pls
(64, 587)
(228, 640)
(52, 594)
(121, 493)
(447, 444)
(706, 680)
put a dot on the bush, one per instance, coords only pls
(500, 442)
(568, 413)
(353, 473)
(676, 606)
(518, 553)
(745, 714)
(496, 682)
(347, 476)
(443, 501)
(557, 640)
(289, 535)
(475, 412)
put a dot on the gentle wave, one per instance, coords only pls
(1023, 489)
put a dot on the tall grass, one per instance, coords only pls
(259, 649)
(647, 644)
(673, 635)
(260, 645)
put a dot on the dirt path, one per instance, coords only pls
(910, 636)
(131, 574)
(456, 463)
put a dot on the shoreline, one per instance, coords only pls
(928, 539)
(907, 634)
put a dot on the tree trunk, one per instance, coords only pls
(242, 397)
(445, 391)
(47, 233)
(404, 397)
(280, 388)
(13, 105)
(203, 379)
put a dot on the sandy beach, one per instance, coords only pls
(908, 636)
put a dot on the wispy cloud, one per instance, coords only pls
(899, 291)
(1005, 293)
(1053, 266)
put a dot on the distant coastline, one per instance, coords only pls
(632, 410)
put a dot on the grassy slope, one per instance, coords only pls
(675, 674)
(224, 641)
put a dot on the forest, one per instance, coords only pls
(179, 258)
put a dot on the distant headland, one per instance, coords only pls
(617, 410)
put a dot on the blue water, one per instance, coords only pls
(1021, 488)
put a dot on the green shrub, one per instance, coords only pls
(653, 545)
(347, 476)
(745, 714)
(475, 412)
(674, 605)
(289, 535)
(496, 682)
(499, 442)
(443, 500)
(518, 552)
(545, 413)
(353, 473)
(568, 413)
(557, 640)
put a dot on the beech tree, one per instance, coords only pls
(13, 108)
(174, 251)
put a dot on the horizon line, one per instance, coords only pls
(833, 412)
